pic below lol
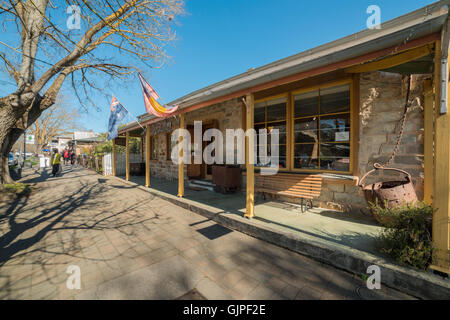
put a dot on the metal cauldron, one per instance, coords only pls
(390, 193)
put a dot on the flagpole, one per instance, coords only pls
(164, 104)
(133, 116)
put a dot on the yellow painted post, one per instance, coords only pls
(441, 199)
(114, 157)
(127, 162)
(441, 196)
(249, 150)
(181, 164)
(428, 141)
(142, 149)
(289, 124)
(147, 157)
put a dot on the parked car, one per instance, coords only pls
(12, 161)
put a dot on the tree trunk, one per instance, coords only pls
(38, 147)
(4, 170)
(7, 122)
(5, 147)
(18, 111)
(14, 119)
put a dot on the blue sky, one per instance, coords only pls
(217, 39)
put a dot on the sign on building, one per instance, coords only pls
(30, 139)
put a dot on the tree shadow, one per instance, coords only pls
(283, 274)
(89, 207)
(27, 222)
(47, 218)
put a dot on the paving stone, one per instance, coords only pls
(290, 292)
(230, 279)
(211, 291)
(309, 293)
(261, 292)
(138, 247)
(245, 285)
(168, 279)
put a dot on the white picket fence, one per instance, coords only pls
(107, 164)
(120, 163)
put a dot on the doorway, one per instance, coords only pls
(200, 171)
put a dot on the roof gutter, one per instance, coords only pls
(146, 119)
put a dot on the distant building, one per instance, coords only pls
(85, 140)
(67, 140)
(84, 134)
(59, 143)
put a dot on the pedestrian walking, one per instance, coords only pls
(66, 156)
(72, 156)
(55, 162)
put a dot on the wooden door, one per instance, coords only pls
(207, 168)
(200, 171)
(194, 171)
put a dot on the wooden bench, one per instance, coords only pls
(305, 187)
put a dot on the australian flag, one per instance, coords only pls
(118, 112)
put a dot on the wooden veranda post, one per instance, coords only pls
(142, 149)
(181, 163)
(249, 158)
(127, 162)
(428, 141)
(441, 196)
(147, 157)
(114, 157)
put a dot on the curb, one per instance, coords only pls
(418, 284)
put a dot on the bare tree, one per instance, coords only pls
(115, 37)
(58, 120)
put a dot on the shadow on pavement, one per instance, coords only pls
(28, 222)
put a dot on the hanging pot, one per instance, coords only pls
(390, 193)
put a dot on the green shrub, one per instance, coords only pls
(407, 237)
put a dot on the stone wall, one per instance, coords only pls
(228, 115)
(381, 105)
(161, 167)
(382, 98)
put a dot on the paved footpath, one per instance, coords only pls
(129, 244)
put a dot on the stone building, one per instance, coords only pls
(338, 108)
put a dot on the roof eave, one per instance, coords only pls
(416, 24)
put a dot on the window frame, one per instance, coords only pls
(153, 144)
(168, 145)
(349, 82)
(285, 95)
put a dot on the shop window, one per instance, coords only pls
(170, 144)
(153, 148)
(271, 114)
(321, 121)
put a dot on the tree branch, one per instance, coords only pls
(80, 49)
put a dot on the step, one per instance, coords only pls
(199, 185)
(203, 182)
